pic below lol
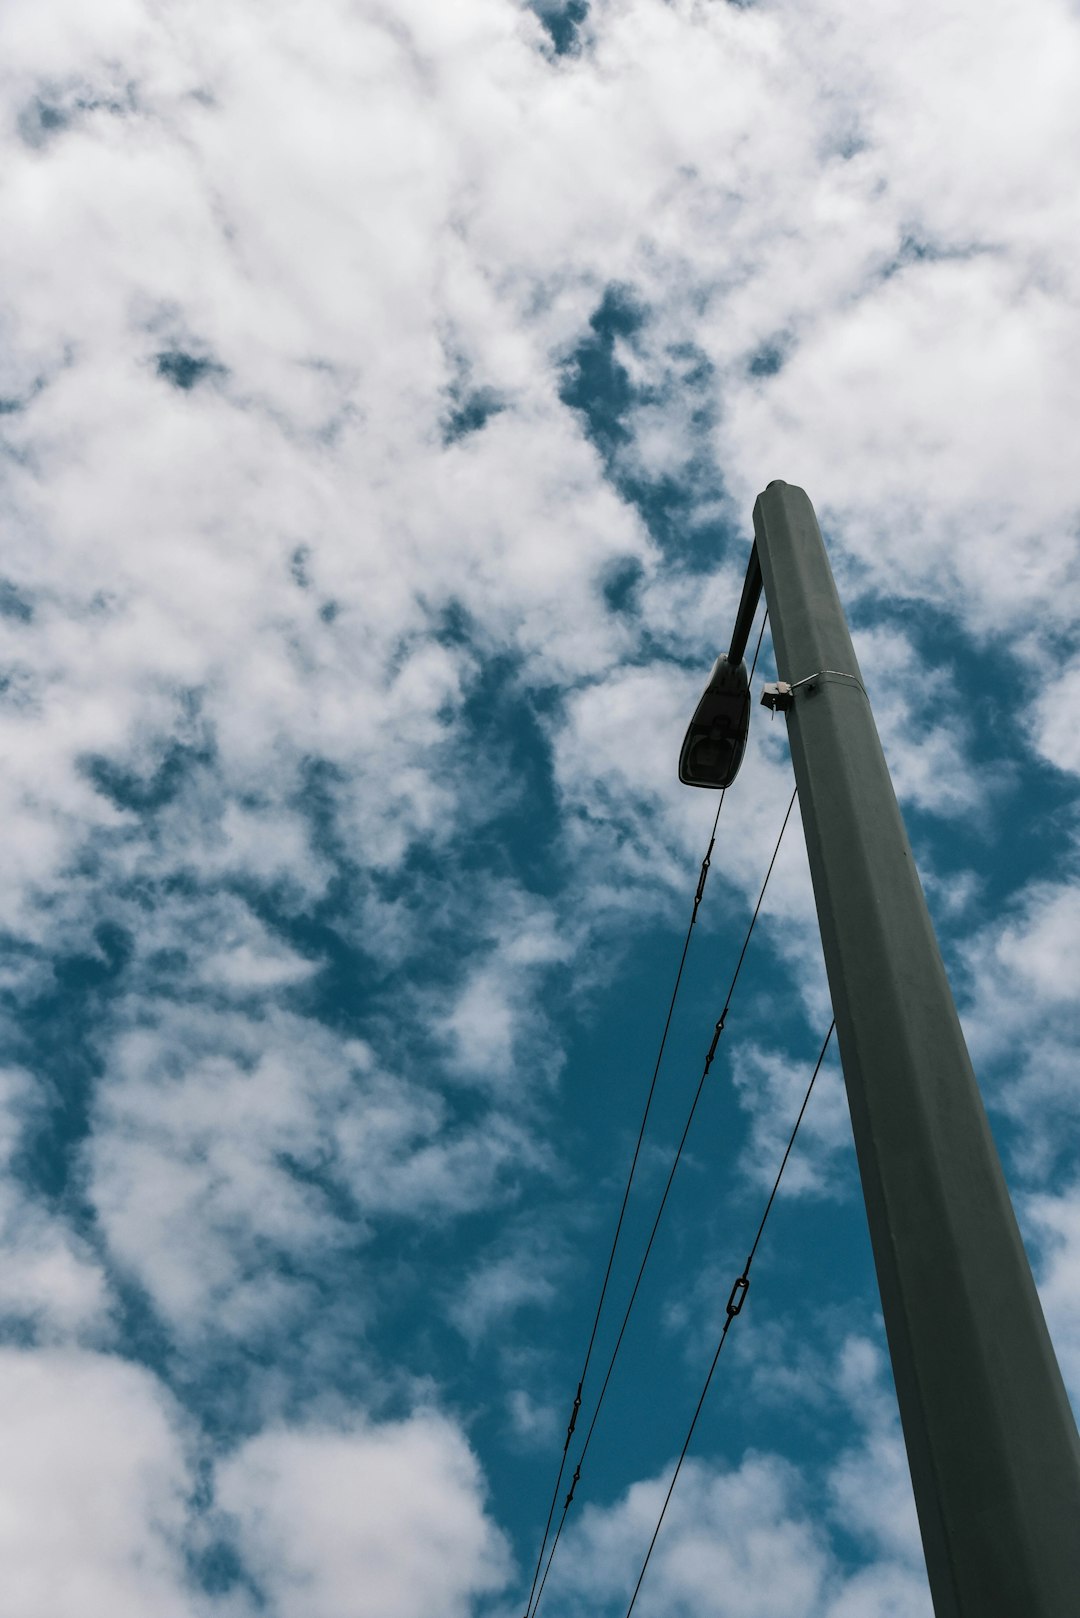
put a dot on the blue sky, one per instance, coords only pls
(384, 391)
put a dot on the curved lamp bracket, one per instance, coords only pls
(716, 740)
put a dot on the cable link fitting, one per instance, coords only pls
(738, 1296)
(573, 1417)
(717, 1031)
(734, 1307)
(700, 894)
(741, 1285)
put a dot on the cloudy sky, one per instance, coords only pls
(384, 391)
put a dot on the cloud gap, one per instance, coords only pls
(564, 21)
(185, 370)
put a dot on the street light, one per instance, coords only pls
(992, 1445)
(715, 740)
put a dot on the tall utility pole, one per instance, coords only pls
(991, 1440)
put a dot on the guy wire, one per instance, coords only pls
(699, 894)
(534, 1604)
(734, 1307)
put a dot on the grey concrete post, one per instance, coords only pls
(991, 1440)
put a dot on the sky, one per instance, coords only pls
(384, 393)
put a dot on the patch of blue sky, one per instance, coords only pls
(621, 584)
(768, 359)
(563, 21)
(599, 384)
(41, 121)
(920, 249)
(702, 1244)
(548, 898)
(606, 1064)
(48, 115)
(217, 1569)
(353, 992)
(471, 410)
(951, 678)
(14, 603)
(186, 370)
(794, 1291)
(138, 792)
(413, 1275)
(56, 1038)
(608, 1050)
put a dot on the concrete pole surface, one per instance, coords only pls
(991, 1440)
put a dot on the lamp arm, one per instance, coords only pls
(751, 594)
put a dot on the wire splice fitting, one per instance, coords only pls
(573, 1417)
(717, 1031)
(702, 879)
(738, 1296)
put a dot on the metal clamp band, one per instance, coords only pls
(830, 674)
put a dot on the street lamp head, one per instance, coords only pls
(714, 744)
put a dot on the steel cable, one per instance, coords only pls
(734, 1307)
(572, 1424)
(718, 1030)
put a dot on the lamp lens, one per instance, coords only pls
(710, 759)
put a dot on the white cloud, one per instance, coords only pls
(869, 1484)
(495, 1031)
(216, 945)
(770, 1086)
(761, 1535)
(50, 1280)
(1054, 1221)
(460, 237)
(1022, 1022)
(495, 1290)
(922, 482)
(174, 567)
(639, 833)
(209, 836)
(98, 1513)
(222, 1142)
(94, 1487)
(739, 1534)
(615, 761)
(283, 581)
(186, 1170)
(930, 756)
(1039, 954)
(1056, 736)
(366, 1521)
(533, 1423)
(882, 1591)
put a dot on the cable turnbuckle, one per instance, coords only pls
(574, 1481)
(573, 1417)
(700, 894)
(717, 1031)
(738, 1296)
